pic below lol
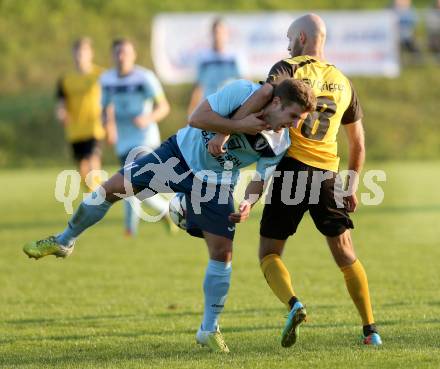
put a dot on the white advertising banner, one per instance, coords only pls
(358, 42)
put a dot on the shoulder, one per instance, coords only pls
(144, 74)
(204, 56)
(98, 70)
(228, 56)
(109, 76)
(68, 75)
(343, 79)
(242, 86)
(62, 78)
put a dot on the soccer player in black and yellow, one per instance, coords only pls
(79, 109)
(313, 151)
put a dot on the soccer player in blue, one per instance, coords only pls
(184, 164)
(215, 66)
(133, 103)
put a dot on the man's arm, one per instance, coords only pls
(109, 122)
(153, 90)
(356, 159)
(61, 112)
(196, 98)
(60, 108)
(256, 102)
(205, 118)
(161, 109)
(254, 190)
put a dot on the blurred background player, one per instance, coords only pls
(79, 109)
(133, 102)
(433, 29)
(408, 19)
(215, 66)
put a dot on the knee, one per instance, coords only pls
(222, 251)
(113, 187)
(342, 249)
(270, 246)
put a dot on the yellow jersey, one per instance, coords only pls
(313, 142)
(82, 98)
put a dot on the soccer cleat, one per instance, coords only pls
(291, 329)
(46, 247)
(372, 339)
(213, 340)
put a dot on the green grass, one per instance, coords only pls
(119, 303)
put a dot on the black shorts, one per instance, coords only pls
(84, 149)
(304, 191)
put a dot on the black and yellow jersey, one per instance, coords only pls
(313, 142)
(82, 97)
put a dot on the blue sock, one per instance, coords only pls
(89, 212)
(131, 219)
(215, 287)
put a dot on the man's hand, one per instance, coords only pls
(244, 210)
(216, 144)
(350, 203)
(142, 121)
(111, 136)
(62, 115)
(252, 124)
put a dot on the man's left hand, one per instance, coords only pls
(244, 210)
(142, 121)
(350, 203)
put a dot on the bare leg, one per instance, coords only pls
(85, 165)
(342, 249)
(219, 248)
(270, 246)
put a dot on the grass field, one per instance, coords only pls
(118, 303)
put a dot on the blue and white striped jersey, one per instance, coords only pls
(215, 69)
(132, 95)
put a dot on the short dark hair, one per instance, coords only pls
(80, 42)
(292, 90)
(216, 22)
(121, 41)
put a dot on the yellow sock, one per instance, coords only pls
(278, 278)
(96, 181)
(92, 183)
(357, 285)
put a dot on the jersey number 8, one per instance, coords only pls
(325, 109)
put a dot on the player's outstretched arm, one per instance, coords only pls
(256, 102)
(205, 118)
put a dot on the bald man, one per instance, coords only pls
(312, 155)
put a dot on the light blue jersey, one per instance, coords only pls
(132, 95)
(266, 148)
(215, 69)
